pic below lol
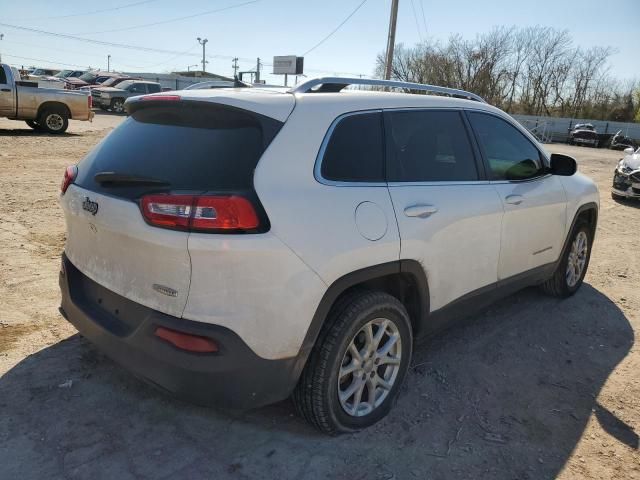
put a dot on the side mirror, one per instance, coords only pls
(563, 165)
(628, 151)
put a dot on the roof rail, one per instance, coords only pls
(335, 84)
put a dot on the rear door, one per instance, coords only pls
(448, 214)
(534, 201)
(170, 148)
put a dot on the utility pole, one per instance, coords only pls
(391, 40)
(203, 42)
(235, 68)
(1, 37)
(108, 62)
(258, 70)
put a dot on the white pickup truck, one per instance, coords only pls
(42, 108)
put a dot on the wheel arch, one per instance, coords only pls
(588, 213)
(52, 105)
(404, 279)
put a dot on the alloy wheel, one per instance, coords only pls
(369, 367)
(577, 258)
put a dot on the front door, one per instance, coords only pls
(448, 214)
(534, 201)
(7, 95)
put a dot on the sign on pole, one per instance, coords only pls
(288, 65)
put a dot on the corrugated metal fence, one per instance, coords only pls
(556, 129)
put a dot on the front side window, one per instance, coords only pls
(153, 88)
(138, 88)
(3, 76)
(511, 155)
(429, 146)
(354, 153)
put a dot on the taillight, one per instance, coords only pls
(200, 212)
(90, 101)
(69, 176)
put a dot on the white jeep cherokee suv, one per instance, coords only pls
(238, 246)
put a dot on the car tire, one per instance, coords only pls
(54, 121)
(33, 124)
(350, 343)
(117, 105)
(573, 266)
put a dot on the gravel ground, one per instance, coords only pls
(532, 388)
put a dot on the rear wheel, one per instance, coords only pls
(571, 270)
(53, 121)
(358, 364)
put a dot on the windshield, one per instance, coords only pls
(63, 73)
(88, 77)
(126, 84)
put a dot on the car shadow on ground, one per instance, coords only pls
(506, 394)
(29, 132)
(108, 113)
(628, 202)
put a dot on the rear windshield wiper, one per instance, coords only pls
(114, 178)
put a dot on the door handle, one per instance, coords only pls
(6, 89)
(514, 199)
(421, 211)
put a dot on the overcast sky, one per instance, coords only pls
(266, 28)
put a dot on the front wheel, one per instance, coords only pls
(357, 366)
(571, 270)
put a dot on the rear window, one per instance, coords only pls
(192, 146)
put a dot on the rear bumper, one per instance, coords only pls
(234, 377)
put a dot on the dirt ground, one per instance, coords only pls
(533, 388)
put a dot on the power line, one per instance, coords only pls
(175, 53)
(424, 20)
(46, 61)
(178, 19)
(415, 17)
(89, 40)
(128, 5)
(335, 29)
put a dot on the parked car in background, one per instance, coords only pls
(41, 72)
(42, 108)
(626, 177)
(88, 79)
(59, 80)
(583, 134)
(621, 142)
(113, 98)
(197, 252)
(213, 84)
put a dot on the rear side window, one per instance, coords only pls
(354, 152)
(429, 146)
(188, 146)
(511, 155)
(153, 88)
